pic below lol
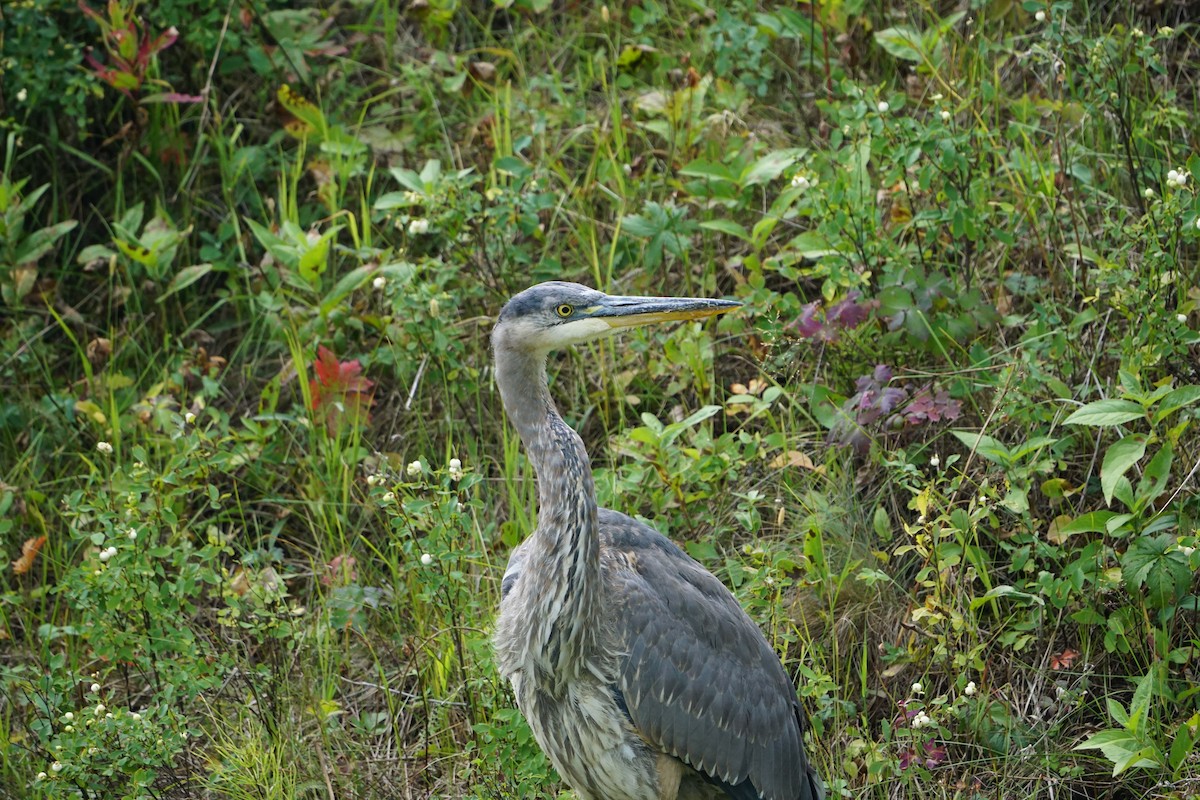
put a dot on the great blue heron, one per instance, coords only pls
(640, 675)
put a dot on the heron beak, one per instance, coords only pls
(629, 312)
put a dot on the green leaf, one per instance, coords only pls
(1092, 522)
(1179, 398)
(185, 278)
(902, 41)
(1007, 591)
(1103, 413)
(770, 166)
(812, 245)
(1154, 479)
(1120, 456)
(348, 283)
(708, 169)
(38, 243)
(1152, 562)
(987, 446)
(726, 226)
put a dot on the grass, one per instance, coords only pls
(949, 441)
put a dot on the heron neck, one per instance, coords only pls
(565, 557)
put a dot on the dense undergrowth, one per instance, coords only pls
(255, 492)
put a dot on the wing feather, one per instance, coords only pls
(699, 679)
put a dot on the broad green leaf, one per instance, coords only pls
(1007, 591)
(1120, 456)
(1034, 445)
(1154, 479)
(1118, 746)
(347, 284)
(986, 446)
(1179, 398)
(770, 166)
(726, 226)
(185, 278)
(1152, 562)
(812, 245)
(1117, 712)
(38, 243)
(902, 41)
(1103, 413)
(708, 169)
(1092, 522)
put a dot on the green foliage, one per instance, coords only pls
(944, 455)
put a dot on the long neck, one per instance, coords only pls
(563, 571)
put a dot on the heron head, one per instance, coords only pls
(557, 314)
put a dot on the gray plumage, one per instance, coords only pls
(639, 674)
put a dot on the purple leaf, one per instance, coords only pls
(807, 326)
(849, 313)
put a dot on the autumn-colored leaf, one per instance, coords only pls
(339, 388)
(29, 552)
(1064, 659)
(794, 458)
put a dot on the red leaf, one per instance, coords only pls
(339, 387)
(1064, 659)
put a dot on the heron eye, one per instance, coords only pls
(564, 310)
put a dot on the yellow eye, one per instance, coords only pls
(564, 310)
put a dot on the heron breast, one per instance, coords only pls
(591, 742)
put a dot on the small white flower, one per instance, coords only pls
(100, 709)
(1059, 692)
(56, 766)
(70, 715)
(379, 283)
(935, 461)
(969, 689)
(455, 469)
(946, 115)
(95, 688)
(389, 497)
(1181, 319)
(104, 447)
(418, 227)
(1137, 33)
(921, 520)
(1187, 551)
(136, 716)
(413, 469)
(800, 181)
(937, 97)
(108, 715)
(1198, 223)
(1040, 16)
(426, 559)
(41, 776)
(22, 96)
(1148, 194)
(105, 555)
(189, 418)
(883, 106)
(917, 688)
(132, 534)
(298, 611)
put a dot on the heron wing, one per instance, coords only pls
(699, 679)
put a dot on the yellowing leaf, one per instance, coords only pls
(91, 411)
(794, 458)
(29, 552)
